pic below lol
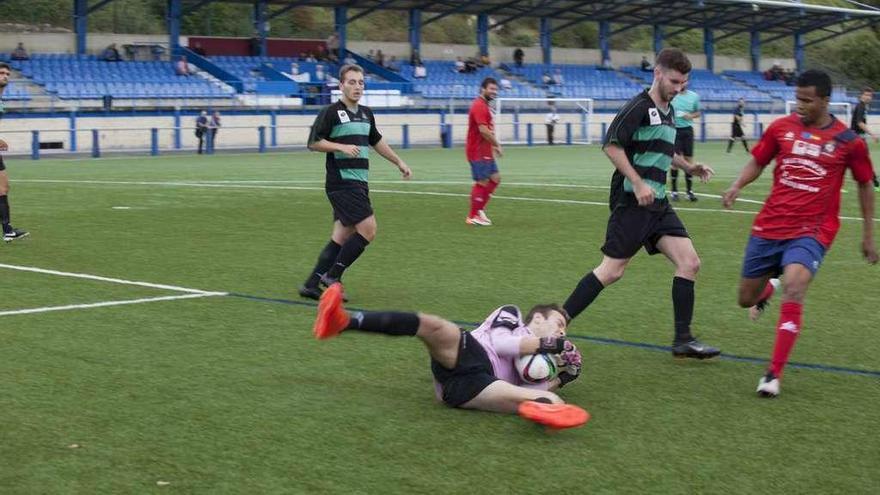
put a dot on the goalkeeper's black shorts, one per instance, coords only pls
(472, 373)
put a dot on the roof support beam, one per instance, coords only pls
(448, 13)
(285, 9)
(192, 8)
(99, 5)
(369, 10)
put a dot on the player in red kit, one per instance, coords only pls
(481, 148)
(800, 219)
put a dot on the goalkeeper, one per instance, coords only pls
(476, 370)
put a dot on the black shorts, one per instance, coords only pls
(684, 141)
(472, 373)
(736, 131)
(351, 206)
(2, 165)
(631, 227)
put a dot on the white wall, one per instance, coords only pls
(66, 42)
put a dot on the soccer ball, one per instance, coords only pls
(536, 368)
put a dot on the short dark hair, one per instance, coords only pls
(818, 79)
(675, 59)
(4, 65)
(868, 89)
(545, 309)
(345, 69)
(486, 82)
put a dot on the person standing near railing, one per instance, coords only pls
(214, 126)
(202, 129)
(9, 233)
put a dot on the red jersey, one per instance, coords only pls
(810, 168)
(476, 147)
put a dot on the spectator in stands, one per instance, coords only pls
(380, 58)
(320, 75)
(646, 65)
(214, 126)
(547, 80)
(321, 54)
(393, 64)
(420, 71)
(470, 66)
(111, 54)
(181, 68)
(20, 53)
(294, 69)
(311, 58)
(202, 129)
(333, 47)
(606, 65)
(505, 83)
(550, 121)
(518, 57)
(459, 65)
(349, 60)
(371, 55)
(557, 77)
(484, 60)
(197, 47)
(414, 58)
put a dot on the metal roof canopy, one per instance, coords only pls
(776, 18)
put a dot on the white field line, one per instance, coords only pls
(383, 191)
(105, 304)
(111, 280)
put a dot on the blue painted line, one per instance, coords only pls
(616, 342)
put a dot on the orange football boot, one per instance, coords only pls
(332, 317)
(554, 416)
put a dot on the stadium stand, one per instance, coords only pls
(710, 86)
(582, 81)
(444, 82)
(248, 68)
(777, 89)
(84, 76)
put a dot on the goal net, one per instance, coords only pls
(572, 120)
(841, 110)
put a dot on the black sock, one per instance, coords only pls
(730, 144)
(387, 322)
(4, 212)
(746, 145)
(674, 175)
(683, 307)
(876, 182)
(689, 181)
(586, 291)
(325, 261)
(349, 253)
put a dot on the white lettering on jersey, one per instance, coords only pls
(654, 116)
(805, 148)
(798, 171)
(343, 116)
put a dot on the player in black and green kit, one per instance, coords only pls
(736, 127)
(346, 131)
(640, 143)
(9, 233)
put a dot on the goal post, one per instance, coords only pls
(514, 115)
(840, 109)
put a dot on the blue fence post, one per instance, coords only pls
(273, 134)
(760, 129)
(405, 131)
(96, 144)
(529, 134)
(73, 131)
(516, 124)
(262, 132)
(35, 145)
(177, 144)
(568, 133)
(448, 136)
(154, 141)
(702, 130)
(604, 128)
(209, 142)
(583, 126)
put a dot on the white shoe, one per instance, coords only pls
(768, 386)
(477, 221)
(483, 217)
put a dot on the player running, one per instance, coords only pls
(640, 145)
(345, 131)
(799, 219)
(475, 370)
(736, 127)
(9, 232)
(481, 148)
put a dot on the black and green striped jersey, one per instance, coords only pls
(647, 134)
(338, 124)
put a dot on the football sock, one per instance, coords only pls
(488, 190)
(673, 173)
(4, 213)
(767, 293)
(584, 294)
(746, 145)
(729, 144)
(682, 308)
(387, 322)
(876, 182)
(325, 261)
(787, 331)
(477, 199)
(689, 181)
(348, 254)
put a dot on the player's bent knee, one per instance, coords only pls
(691, 265)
